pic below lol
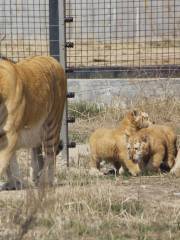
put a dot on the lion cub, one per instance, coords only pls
(153, 148)
(110, 144)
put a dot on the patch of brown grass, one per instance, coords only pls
(94, 208)
(165, 110)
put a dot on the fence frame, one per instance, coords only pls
(132, 68)
(58, 50)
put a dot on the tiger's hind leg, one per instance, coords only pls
(46, 177)
(14, 178)
(51, 138)
(8, 163)
(37, 163)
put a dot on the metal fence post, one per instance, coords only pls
(54, 29)
(62, 51)
(57, 50)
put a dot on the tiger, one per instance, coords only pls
(110, 144)
(32, 99)
(153, 148)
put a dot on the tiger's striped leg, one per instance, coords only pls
(50, 145)
(13, 175)
(7, 156)
(37, 163)
(5, 168)
(47, 173)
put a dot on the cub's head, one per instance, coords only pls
(139, 119)
(138, 148)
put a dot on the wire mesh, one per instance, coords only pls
(24, 28)
(110, 35)
(124, 34)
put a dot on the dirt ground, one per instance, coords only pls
(153, 190)
(93, 53)
(127, 53)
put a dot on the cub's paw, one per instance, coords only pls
(135, 173)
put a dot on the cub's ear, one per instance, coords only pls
(144, 138)
(135, 112)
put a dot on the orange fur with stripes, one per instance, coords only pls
(32, 97)
(153, 148)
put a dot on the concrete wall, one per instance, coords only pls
(123, 91)
(123, 19)
(26, 19)
(94, 18)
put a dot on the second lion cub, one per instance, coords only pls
(153, 148)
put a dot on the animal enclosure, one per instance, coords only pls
(107, 38)
(117, 38)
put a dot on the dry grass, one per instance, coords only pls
(165, 110)
(94, 208)
(22, 48)
(128, 53)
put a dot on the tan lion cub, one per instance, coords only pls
(110, 144)
(153, 148)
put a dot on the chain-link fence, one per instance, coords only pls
(24, 28)
(121, 36)
(124, 36)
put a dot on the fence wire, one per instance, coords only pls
(24, 28)
(108, 35)
(124, 34)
